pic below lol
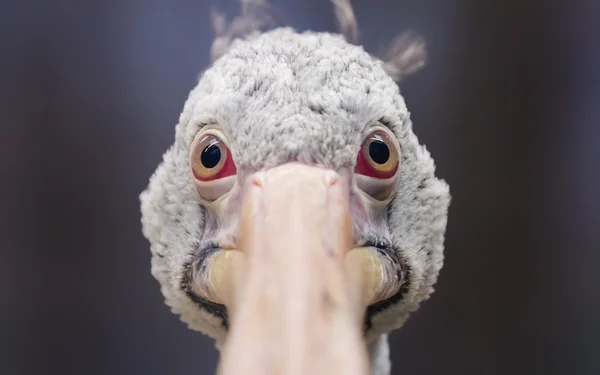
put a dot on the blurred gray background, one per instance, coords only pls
(508, 104)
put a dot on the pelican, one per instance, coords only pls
(296, 219)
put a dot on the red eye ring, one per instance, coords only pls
(210, 158)
(379, 157)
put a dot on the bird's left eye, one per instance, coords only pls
(378, 157)
(211, 159)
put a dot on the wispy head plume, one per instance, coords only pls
(404, 55)
(256, 16)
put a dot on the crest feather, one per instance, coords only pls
(404, 55)
(257, 16)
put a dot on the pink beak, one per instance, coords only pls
(299, 295)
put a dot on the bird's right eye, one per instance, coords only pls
(377, 164)
(211, 159)
(379, 157)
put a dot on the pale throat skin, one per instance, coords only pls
(282, 98)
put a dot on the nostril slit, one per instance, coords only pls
(332, 179)
(259, 179)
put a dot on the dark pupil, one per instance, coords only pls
(211, 156)
(379, 152)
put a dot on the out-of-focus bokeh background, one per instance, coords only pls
(508, 104)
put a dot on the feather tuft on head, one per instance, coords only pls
(257, 16)
(403, 56)
(346, 19)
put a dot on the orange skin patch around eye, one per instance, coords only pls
(225, 167)
(365, 164)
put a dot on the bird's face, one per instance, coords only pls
(296, 203)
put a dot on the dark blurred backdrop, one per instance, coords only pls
(508, 104)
